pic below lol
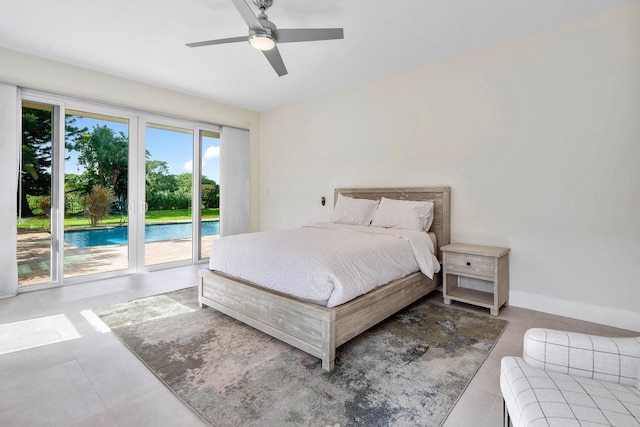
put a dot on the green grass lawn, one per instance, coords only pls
(151, 216)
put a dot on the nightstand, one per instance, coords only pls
(476, 274)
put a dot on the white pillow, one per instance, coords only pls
(354, 211)
(408, 214)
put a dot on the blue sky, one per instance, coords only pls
(170, 146)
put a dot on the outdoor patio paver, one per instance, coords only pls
(34, 256)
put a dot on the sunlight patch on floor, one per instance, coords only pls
(38, 332)
(95, 321)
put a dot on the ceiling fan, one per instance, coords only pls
(264, 36)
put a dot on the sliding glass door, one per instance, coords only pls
(96, 177)
(72, 198)
(168, 194)
(105, 191)
(35, 192)
(182, 170)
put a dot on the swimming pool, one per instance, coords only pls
(152, 233)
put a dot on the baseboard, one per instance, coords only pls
(591, 313)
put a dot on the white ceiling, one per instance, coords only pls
(145, 40)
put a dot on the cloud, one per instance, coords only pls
(210, 153)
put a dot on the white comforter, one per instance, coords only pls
(327, 263)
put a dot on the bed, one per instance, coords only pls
(316, 329)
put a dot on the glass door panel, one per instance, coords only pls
(96, 193)
(35, 195)
(209, 191)
(168, 192)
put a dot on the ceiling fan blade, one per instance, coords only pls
(309, 34)
(247, 14)
(219, 41)
(276, 61)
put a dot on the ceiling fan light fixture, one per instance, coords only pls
(262, 41)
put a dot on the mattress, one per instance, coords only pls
(326, 263)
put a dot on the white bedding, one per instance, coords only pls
(327, 263)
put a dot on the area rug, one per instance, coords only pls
(408, 370)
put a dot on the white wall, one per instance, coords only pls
(538, 138)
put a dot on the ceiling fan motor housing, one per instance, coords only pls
(263, 4)
(270, 29)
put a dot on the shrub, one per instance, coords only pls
(72, 202)
(168, 201)
(97, 203)
(210, 196)
(44, 205)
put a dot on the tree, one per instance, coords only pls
(210, 196)
(210, 193)
(105, 158)
(158, 178)
(210, 190)
(36, 157)
(184, 181)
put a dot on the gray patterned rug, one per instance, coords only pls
(409, 370)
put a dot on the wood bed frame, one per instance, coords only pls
(320, 330)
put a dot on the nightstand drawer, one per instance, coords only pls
(476, 265)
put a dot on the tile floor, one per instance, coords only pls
(57, 368)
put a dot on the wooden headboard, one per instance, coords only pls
(441, 197)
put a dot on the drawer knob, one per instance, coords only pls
(468, 263)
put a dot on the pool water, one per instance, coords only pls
(152, 233)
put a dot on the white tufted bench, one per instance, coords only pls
(571, 379)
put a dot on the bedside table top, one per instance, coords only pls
(465, 248)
